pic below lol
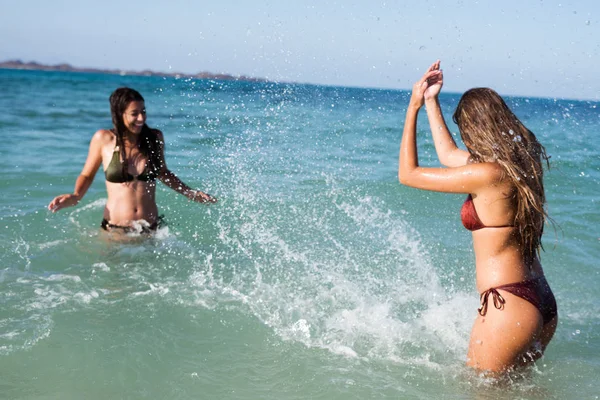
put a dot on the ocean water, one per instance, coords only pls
(317, 275)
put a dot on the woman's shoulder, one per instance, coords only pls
(103, 136)
(493, 171)
(101, 139)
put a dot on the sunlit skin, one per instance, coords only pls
(129, 201)
(501, 337)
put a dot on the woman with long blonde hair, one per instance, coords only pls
(502, 173)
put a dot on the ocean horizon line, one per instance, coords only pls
(17, 64)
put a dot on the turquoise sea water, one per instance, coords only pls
(317, 275)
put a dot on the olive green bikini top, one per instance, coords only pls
(114, 173)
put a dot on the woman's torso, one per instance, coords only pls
(132, 200)
(498, 254)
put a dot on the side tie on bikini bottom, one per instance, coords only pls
(535, 291)
(496, 297)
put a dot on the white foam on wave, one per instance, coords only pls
(56, 290)
(162, 233)
(101, 266)
(53, 243)
(30, 329)
(21, 248)
(159, 289)
(31, 299)
(9, 335)
(62, 278)
(94, 205)
(86, 297)
(359, 286)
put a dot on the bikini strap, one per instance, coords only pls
(496, 297)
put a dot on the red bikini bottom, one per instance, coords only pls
(536, 291)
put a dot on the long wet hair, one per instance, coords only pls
(149, 145)
(492, 133)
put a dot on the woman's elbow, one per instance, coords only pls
(404, 177)
(409, 176)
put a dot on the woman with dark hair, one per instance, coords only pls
(502, 174)
(132, 155)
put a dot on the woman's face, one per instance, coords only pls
(134, 116)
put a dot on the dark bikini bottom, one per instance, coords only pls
(536, 291)
(133, 229)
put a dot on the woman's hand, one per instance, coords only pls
(428, 86)
(202, 197)
(63, 201)
(434, 82)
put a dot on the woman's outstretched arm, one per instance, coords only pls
(85, 178)
(173, 182)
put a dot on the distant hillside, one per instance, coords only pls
(18, 64)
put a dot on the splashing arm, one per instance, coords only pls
(173, 182)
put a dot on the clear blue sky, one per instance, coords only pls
(524, 47)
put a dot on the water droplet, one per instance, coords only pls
(511, 132)
(422, 48)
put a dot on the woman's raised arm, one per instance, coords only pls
(448, 153)
(465, 179)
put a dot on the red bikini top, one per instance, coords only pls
(470, 219)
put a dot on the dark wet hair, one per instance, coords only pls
(149, 144)
(493, 133)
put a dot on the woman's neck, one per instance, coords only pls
(130, 140)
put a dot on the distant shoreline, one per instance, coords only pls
(35, 66)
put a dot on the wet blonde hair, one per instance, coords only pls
(492, 133)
